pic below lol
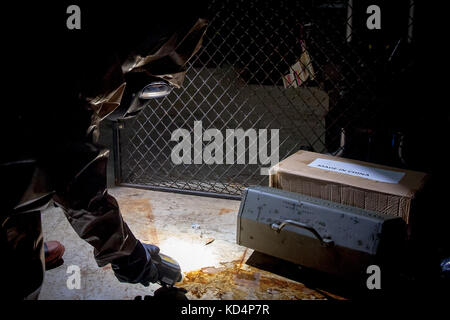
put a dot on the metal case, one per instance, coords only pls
(316, 233)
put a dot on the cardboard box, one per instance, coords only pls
(361, 184)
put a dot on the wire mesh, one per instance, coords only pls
(310, 69)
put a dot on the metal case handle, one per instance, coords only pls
(327, 242)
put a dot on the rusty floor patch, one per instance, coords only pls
(167, 219)
(141, 206)
(236, 281)
(225, 210)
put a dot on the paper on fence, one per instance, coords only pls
(300, 72)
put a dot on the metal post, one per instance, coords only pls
(349, 24)
(410, 20)
(117, 125)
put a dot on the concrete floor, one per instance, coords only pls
(198, 232)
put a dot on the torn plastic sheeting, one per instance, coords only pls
(172, 55)
(167, 62)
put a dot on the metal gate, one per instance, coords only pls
(303, 75)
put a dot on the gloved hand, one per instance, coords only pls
(138, 267)
(150, 249)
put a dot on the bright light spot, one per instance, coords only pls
(189, 254)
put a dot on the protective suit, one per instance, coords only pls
(60, 84)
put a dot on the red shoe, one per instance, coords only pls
(54, 252)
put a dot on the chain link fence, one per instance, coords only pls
(310, 69)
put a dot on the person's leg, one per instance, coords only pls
(22, 250)
(24, 194)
